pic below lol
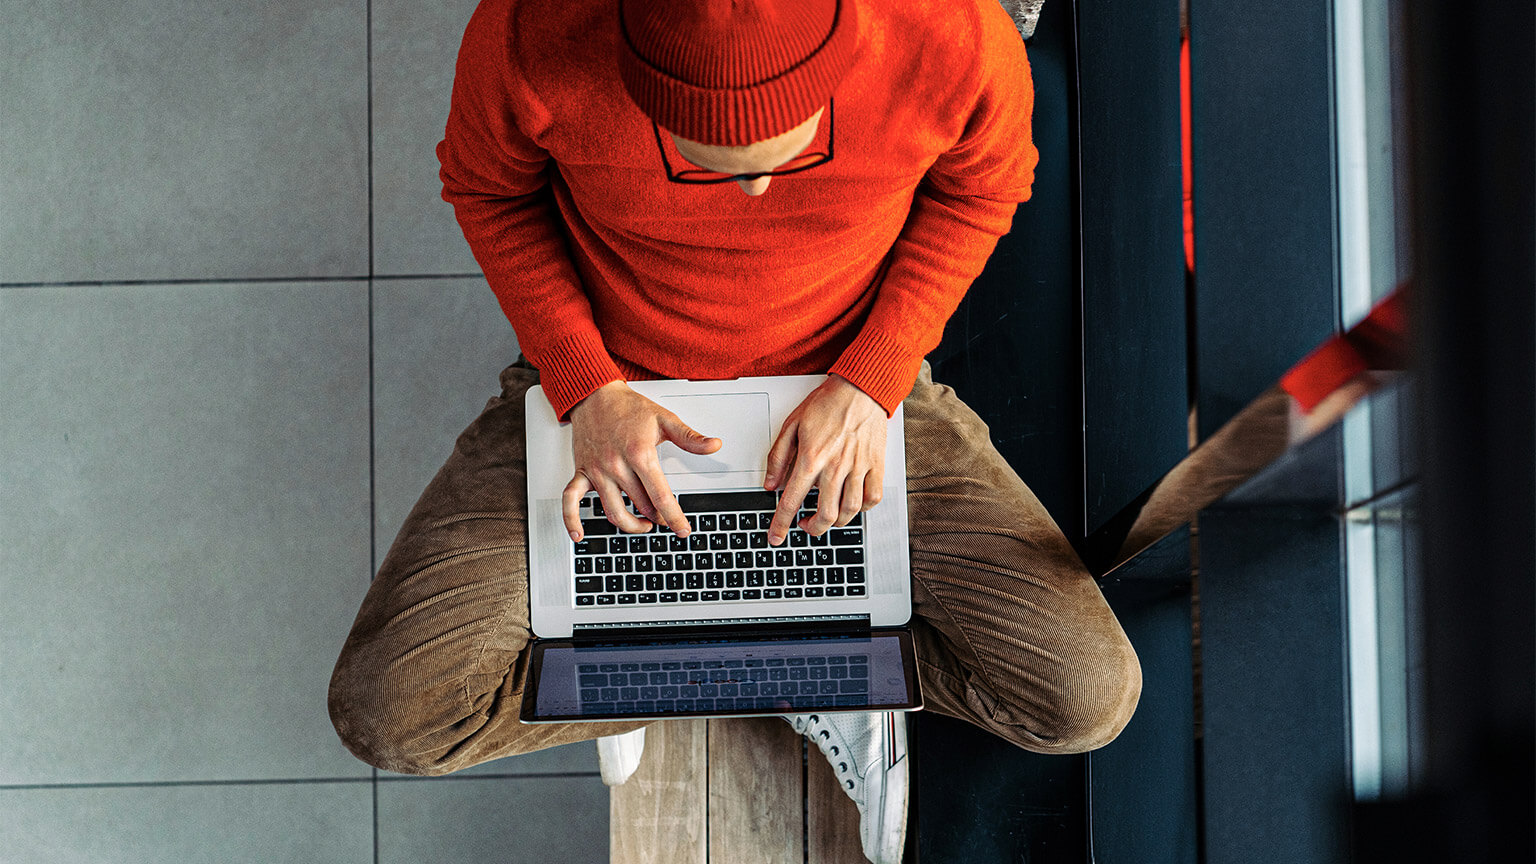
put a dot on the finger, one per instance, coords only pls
(613, 506)
(641, 500)
(831, 486)
(793, 496)
(781, 456)
(686, 437)
(668, 511)
(874, 487)
(853, 497)
(570, 504)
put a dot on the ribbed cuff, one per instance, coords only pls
(573, 368)
(880, 367)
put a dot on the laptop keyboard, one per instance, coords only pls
(726, 558)
(725, 685)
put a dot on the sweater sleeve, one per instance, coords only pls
(495, 177)
(964, 204)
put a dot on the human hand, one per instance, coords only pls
(615, 433)
(835, 441)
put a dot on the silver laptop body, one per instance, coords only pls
(746, 414)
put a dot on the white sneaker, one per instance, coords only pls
(868, 752)
(619, 755)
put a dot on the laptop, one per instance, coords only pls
(657, 626)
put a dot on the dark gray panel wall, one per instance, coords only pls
(1134, 353)
(1264, 195)
(1275, 713)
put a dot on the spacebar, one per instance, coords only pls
(715, 502)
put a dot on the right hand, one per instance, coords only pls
(615, 433)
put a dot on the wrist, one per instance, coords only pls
(598, 395)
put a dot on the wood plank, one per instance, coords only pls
(756, 792)
(661, 815)
(832, 820)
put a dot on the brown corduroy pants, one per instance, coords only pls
(1011, 632)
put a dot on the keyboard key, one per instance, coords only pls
(813, 592)
(754, 578)
(789, 593)
(698, 542)
(775, 577)
(735, 579)
(709, 596)
(758, 540)
(719, 541)
(751, 594)
(855, 575)
(714, 579)
(819, 540)
(623, 564)
(658, 543)
(724, 561)
(669, 597)
(647, 598)
(676, 543)
(653, 581)
(683, 561)
(794, 577)
(613, 583)
(728, 522)
(847, 536)
(855, 590)
(583, 565)
(589, 584)
(664, 563)
(743, 560)
(694, 581)
(644, 564)
(804, 558)
(624, 599)
(705, 523)
(598, 527)
(730, 595)
(850, 555)
(747, 522)
(586, 599)
(815, 576)
(799, 539)
(605, 565)
(834, 591)
(783, 558)
(762, 559)
(634, 582)
(592, 546)
(674, 581)
(638, 545)
(824, 556)
(688, 597)
(772, 593)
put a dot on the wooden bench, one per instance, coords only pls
(733, 791)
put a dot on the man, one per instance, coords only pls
(707, 188)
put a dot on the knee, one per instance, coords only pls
(394, 728)
(1097, 700)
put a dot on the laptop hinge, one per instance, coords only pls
(712, 626)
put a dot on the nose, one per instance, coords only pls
(754, 187)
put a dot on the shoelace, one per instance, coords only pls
(843, 762)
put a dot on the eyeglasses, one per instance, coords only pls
(800, 163)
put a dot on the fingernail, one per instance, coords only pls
(770, 482)
(576, 536)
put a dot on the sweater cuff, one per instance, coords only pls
(573, 368)
(881, 367)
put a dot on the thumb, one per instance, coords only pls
(682, 435)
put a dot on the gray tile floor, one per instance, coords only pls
(238, 333)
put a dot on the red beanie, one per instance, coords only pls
(733, 72)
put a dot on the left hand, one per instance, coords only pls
(834, 441)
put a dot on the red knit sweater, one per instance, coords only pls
(608, 270)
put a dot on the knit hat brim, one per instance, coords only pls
(737, 116)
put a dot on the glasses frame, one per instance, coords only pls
(682, 176)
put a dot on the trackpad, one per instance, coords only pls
(739, 420)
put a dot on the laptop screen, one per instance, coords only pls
(735, 676)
